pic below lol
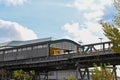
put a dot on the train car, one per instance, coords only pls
(45, 47)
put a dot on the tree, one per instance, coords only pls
(4, 74)
(112, 31)
(117, 17)
(18, 74)
(71, 77)
(113, 34)
(22, 75)
(102, 73)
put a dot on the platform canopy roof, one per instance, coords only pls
(20, 43)
(50, 40)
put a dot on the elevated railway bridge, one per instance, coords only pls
(46, 55)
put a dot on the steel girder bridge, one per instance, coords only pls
(80, 61)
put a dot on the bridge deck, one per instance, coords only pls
(89, 55)
(64, 61)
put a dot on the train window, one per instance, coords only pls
(23, 49)
(35, 47)
(6, 52)
(39, 46)
(44, 46)
(29, 48)
(1, 52)
(19, 49)
(9, 51)
(14, 50)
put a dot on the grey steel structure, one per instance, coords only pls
(20, 50)
(46, 55)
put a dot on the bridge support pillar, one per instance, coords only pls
(46, 76)
(37, 76)
(83, 72)
(114, 70)
(88, 74)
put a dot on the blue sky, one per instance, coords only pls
(73, 19)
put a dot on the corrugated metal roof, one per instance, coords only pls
(20, 43)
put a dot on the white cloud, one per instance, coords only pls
(96, 15)
(14, 31)
(86, 35)
(91, 4)
(13, 2)
(90, 30)
(82, 4)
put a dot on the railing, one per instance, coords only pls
(97, 47)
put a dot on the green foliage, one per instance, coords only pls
(71, 77)
(20, 74)
(102, 73)
(32, 72)
(111, 31)
(117, 17)
(113, 34)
